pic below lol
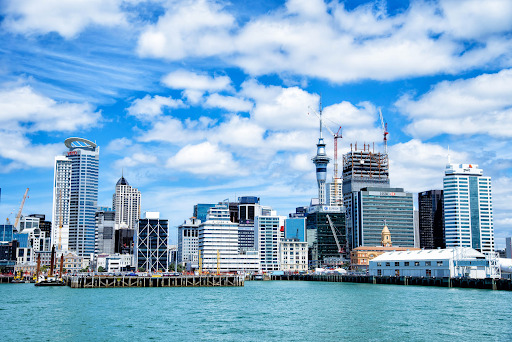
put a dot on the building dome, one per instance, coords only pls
(122, 181)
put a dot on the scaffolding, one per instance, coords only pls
(365, 163)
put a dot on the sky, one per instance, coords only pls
(200, 101)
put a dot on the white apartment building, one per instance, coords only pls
(468, 208)
(334, 192)
(269, 231)
(293, 255)
(126, 204)
(218, 244)
(188, 241)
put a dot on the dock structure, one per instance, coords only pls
(80, 282)
(487, 283)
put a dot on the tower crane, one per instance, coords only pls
(336, 136)
(384, 131)
(21, 208)
(340, 249)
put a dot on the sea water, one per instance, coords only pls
(259, 311)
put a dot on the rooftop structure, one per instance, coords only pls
(126, 204)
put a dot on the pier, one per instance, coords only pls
(487, 283)
(81, 282)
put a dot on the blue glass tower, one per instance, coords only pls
(76, 197)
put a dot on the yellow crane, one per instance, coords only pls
(21, 208)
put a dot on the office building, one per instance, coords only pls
(218, 244)
(6, 233)
(383, 206)
(75, 197)
(327, 242)
(270, 232)
(105, 238)
(362, 168)
(468, 208)
(126, 204)
(124, 240)
(431, 219)
(45, 226)
(334, 192)
(293, 255)
(508, 248)
(188, 241)
(295, 228)
(248, 208)
(201, 210)
(151, 243)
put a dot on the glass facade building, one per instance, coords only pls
(468, 208)
(201, 210)
(377, 207)
(431, 219)
(324, 245)
(295, 228)
(75, 197)
(151, 245)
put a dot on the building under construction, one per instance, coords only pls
(362, 168)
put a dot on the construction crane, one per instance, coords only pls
(340, 249)
(336, 136)
(384, 131)
(21, 208)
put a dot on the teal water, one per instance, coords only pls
(260, 311)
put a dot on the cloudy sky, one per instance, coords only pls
(199, 101)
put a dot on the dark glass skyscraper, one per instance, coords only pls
(431, 219)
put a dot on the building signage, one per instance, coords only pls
(72, 153)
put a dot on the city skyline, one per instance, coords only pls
(198, 101)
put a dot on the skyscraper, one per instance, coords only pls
(468, 208)
(431, 220)
(361, 169)
(75, 197)
(126, 204)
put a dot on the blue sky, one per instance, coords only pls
(200, 100)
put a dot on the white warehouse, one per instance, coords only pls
(450, 262)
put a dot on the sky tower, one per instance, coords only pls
(321, 160)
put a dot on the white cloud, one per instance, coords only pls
(230, 103)
(480, 105)
(135, 160)
(313, 39)
(23, 106)
(418, 166)
(205, 159)
(172, 130)
(238, 132)
(184, 79)
(66, 17)
(149, 107)
(188, 28)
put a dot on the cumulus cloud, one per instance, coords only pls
(204, 159)
(135, 160)
(149, 107)
(66, 17)
(184, 79)
(479, 105)
(315, 39)
(24, 106)
(229, 103)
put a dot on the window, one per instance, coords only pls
(428, 273)
(439, 263)
(379, 264)
(427, 263)
(397, 263)
(406, 263)
(416, 263)
(388, 264)
(397, 273)
(379, 272)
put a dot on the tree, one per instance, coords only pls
(101, 269)
(179, 268)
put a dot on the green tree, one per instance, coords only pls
(179, 268)
(101, 269)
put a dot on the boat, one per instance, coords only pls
(51, 279)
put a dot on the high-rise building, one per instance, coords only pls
(201, 210)
(361, 169)
(45, 226)
(270, 232)
(468, 208)
(321, 239)
(188, 241)
(431, 220)
(383, 206)
(105, 238)
(126, 204)
(248, 208)
(218, 244)
(75, 197)
(152, 243)
(508, 247)
(334, 191)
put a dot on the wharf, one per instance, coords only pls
(173, 281)
(487, 283)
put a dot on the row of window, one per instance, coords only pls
(411, 263)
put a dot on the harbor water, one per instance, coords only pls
(260, 311)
